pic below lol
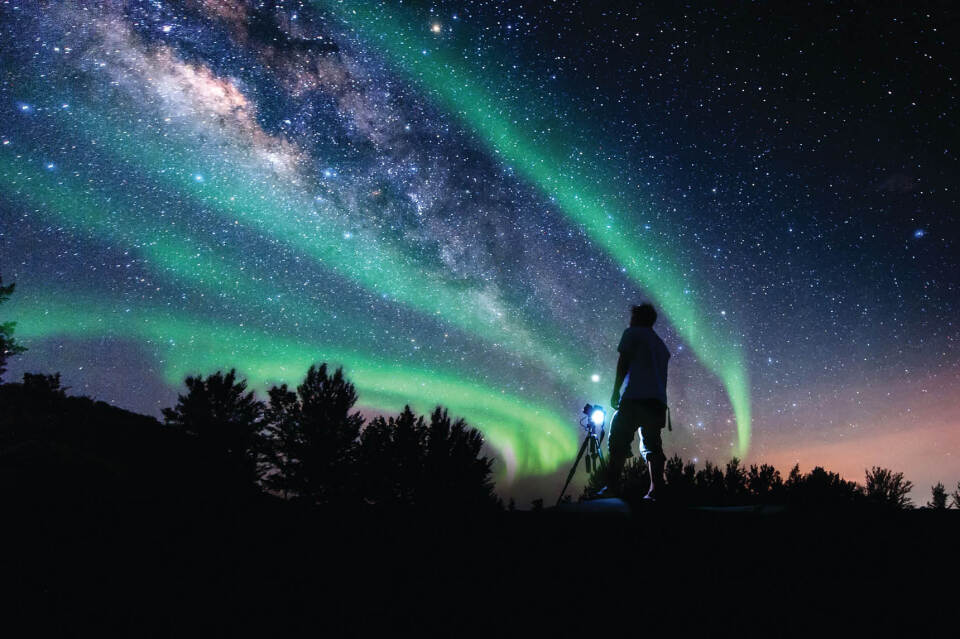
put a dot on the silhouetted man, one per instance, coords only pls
(643, 405)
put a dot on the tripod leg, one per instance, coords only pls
(573, 470)
(603, 462)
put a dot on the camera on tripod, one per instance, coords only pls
(596, 416)
(593, 425)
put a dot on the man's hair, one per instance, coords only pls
(643, 315)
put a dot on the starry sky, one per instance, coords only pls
(458, 202)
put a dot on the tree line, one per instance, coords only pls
(762, 484)
(308, 444)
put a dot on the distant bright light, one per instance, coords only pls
(436, 27)
(198, 178)
(919, 233)
(597, 416)
(594, 378)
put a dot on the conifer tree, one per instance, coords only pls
(938, 499)
(8, 346)
(225, 418)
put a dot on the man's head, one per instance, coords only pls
(643, 315)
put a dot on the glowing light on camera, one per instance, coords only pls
(597, 416)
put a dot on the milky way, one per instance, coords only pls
(458, 202)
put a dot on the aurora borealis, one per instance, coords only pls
(459, 201)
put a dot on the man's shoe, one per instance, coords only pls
(604, 493)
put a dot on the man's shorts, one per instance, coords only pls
(648, 415)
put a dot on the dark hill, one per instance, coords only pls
(57, 448)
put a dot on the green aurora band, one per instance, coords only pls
(252, 196)
(493, 119)
(532, 439)
(535, 445)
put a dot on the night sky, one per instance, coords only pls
(458, 202)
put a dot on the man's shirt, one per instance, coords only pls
(648, 355)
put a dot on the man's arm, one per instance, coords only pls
(623, 366)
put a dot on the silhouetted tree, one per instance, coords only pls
(310, 438)
(764, 483)
(39, 386)
(405, 460)
(455, 469)
(377, 465)
(956, 496)
(794, 479)
(821, 488)
(391, 458)
(887, 488)
(280, 434)
(8, 346)
(710, 486)
(938, 499)
(681, 479)
(225, 418)
(735, 481)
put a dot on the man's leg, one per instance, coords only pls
(618, 447)
(652, 444)
(614, 471)
(655, 467)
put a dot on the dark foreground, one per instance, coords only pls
(202, 567)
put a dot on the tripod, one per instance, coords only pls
(592, 439)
